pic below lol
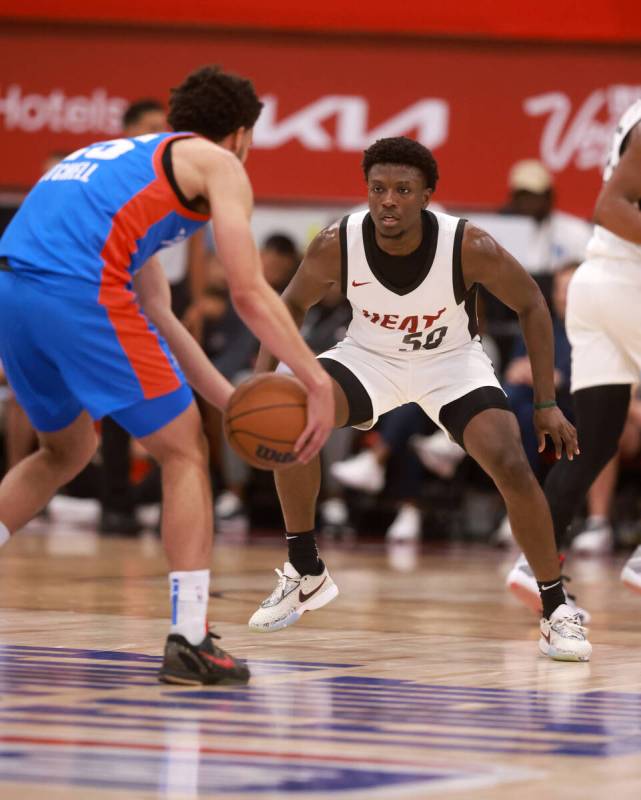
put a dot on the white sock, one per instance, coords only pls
(189, 592)
(4, 534)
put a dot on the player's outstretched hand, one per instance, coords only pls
(320, 420)
(553, 422)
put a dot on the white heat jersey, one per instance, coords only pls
(430, 317)
(604, 243)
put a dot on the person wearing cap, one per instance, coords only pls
(557, 238)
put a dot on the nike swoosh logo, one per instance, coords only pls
(225, 663)
(546, 636)
(302, 596)
(544, 587)
(360, 283)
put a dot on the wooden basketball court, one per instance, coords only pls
(421, 680)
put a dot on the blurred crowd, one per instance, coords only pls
(405, 479)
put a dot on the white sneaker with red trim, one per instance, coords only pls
(563, 638)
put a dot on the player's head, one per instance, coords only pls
(531, 189)
(144, 116)
(280, 258)
(401, 175)
(218, 105)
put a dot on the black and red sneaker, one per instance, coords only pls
(204, 663)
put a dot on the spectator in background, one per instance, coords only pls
(554, 240)
(557, 238)
(185, 265)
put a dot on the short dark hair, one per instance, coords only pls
(139, 108)
(283, 244)
(213, 103)
(401, 150)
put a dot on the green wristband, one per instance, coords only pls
(546, 404)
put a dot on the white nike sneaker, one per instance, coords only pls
(631, 572)
(438, 453)
(522, 583)
(407, 525)
(293, 596)
(563, 638)
(596, 538)
(360, 472)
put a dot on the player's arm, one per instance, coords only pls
(317, 273)
(154, 295)
(226, 187)
(485, 262)
(617, 206)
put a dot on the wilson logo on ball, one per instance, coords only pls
(277, 456)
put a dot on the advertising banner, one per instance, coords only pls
(479, 107)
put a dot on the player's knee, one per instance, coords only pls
(72, 457)
(510, 468)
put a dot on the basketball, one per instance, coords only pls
(264, 418)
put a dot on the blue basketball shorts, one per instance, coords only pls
(64, 352)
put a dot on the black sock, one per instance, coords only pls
(303, 553)
(552, 595)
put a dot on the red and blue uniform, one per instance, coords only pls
(72, 334)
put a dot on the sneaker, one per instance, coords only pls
(333, 512)
(230, 513)
(522, 583)
(293, 596)
(119, 523)
(631, 572)
(228, 505)
(190, 664)
(563, 638)
(596, 538)
(502, 536)
(438, 453)
(361, 472)
(407, 525)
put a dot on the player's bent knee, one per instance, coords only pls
(509, 468)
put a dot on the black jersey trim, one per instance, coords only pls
(167, 165)
(471, 299)
(342, 238)
(455, 416)
(462, 295)
(457, 263)
(426, 251)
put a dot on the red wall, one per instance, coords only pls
(560, 20)
(480, 106)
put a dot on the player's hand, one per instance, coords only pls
(553, 422)
(320, 420)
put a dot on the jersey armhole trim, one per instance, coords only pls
(342, 238)
(458, 281)
(165, 172)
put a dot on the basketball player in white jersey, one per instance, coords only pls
(411, 277)
(604, 328)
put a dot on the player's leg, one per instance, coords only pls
(492, 438)
(170, 429)
(61, 455)
(304, 583)
(363, 389)
(600, 412)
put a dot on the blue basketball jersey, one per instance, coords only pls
(98, 215)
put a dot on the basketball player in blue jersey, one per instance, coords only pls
(410, 275)
(86, 329)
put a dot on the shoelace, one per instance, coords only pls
(570, 627)
(281, 586)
